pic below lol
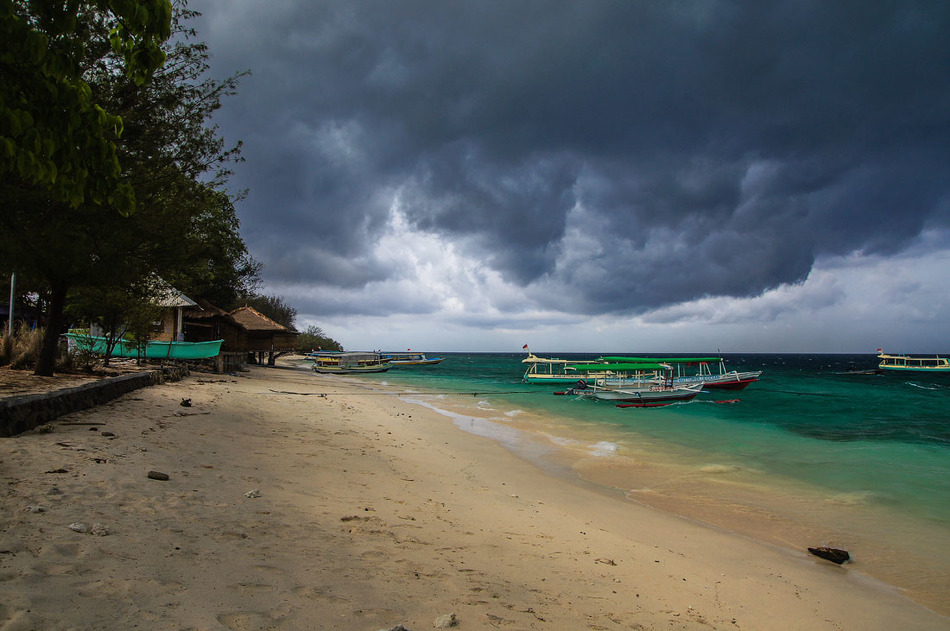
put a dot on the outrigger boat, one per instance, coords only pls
(909, 363)
(548, 370)
(721, 380)
(411, 358)
(634, 385)
(347, 363)
(646, 397)
(552, 370)
(153, 349)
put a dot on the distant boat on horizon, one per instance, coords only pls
(411, 358)
(913, 363)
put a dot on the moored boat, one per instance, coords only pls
(721, 380)
(347, 363)
(647, 396)
(544, 370)
(913, 363)
(153, 349)
(411, 358)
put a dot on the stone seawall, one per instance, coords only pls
(23, 413)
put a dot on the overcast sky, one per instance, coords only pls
(605, 176)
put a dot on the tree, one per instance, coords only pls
(274, 307)
(314, 338)
(184, 230)
(53, 133)
(120, 311)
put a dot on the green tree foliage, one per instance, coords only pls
(274, 307)
(315, 339)
(184, 230)
(53, 133)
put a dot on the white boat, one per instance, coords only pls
(545, 370)
(411, 358)
(911, 363)
(721, 380)
(549, 370)
(347, 363)
(646, 396)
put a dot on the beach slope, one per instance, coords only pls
(297, 501)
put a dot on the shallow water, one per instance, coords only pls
(805, 457)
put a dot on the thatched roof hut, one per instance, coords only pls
(263, 335)
(205, 322)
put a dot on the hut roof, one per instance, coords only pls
(204, 310)
(170, 297)
(253, 320)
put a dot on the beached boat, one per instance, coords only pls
(722, 379)
(913, 363)
(645, 396)
(153, 349)
(347, 363)
(411, 358)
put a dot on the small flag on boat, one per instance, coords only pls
(880, 350)
(525, 347)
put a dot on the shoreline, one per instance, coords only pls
(371, 511)
(910, 557)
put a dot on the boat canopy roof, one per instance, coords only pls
(665, 360)
(918, 357)
(534, 359)
(618, 367)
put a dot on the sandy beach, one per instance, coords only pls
(286, 509)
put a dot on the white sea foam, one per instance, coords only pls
(604, 448)
(561, 441)
(513, 413)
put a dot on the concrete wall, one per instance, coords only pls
(23, 413)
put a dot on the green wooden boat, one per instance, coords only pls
(153, 349)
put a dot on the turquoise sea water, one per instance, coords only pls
(805, 456)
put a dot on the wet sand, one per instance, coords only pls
(284, 509)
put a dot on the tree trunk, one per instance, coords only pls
(54, 322)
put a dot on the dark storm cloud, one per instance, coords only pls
(714, 148)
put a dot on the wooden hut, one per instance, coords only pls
(170, 328)
(261, 335)
(205, 322)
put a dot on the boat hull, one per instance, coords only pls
(420, 362)
(354, 370)
(738, 384)
(652, 396)
(646, 397)
(153, 349)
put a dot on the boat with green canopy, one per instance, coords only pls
(552, 370)
(703, 373)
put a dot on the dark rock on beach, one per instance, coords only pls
(831, 554)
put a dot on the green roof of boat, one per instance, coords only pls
(618, 367)
(665, 360)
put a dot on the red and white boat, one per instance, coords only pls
(721, 379)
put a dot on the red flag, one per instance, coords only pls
(880, 350)
(525, 347)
